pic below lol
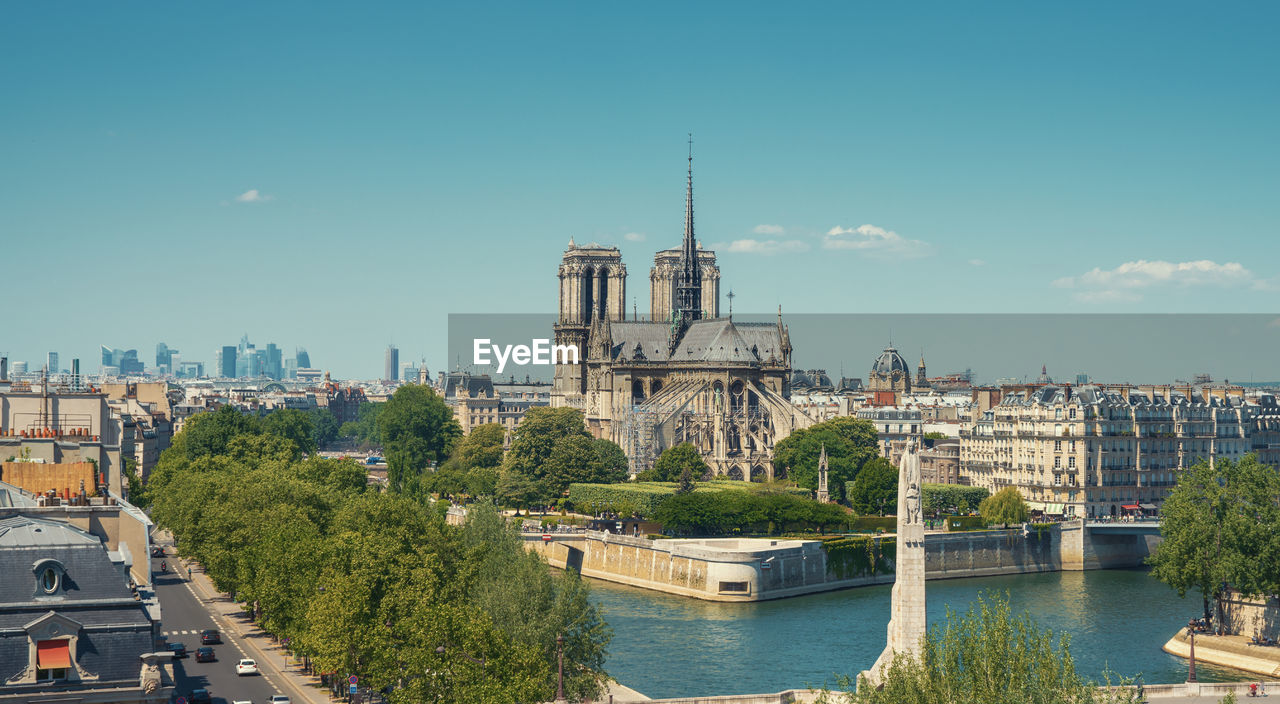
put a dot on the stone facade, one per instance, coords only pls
(1090, 451)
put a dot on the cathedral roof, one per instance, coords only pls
(889, 361)
(717, 340)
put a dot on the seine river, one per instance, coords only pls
(667, 646)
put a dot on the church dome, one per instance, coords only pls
(888, 362)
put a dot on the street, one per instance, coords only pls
(183, 617)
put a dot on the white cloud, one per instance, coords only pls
(875, 241)
(634, 237)
(769, 229)
(253, 195)
(766, 247)
(977, 262)
(1127, 281)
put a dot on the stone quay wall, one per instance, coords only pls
(759, 569)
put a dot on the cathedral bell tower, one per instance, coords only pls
(593, 289)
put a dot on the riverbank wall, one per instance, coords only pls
(756, 569)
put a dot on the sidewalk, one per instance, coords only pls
(303, 687)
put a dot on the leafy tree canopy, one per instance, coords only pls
(1005, 506)
(417, 430)
(850, 443)
(875, 490)
(537, 436)
(294, 425)
(673, 462)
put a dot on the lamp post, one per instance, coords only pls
(560, 670)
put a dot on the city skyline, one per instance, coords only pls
(449, 148)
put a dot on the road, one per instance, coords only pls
(182, 617)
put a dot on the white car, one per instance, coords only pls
(247, 667)
(278, 699)
(242, 701)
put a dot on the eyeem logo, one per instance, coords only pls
(540, 352)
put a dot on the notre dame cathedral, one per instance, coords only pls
(685, 374)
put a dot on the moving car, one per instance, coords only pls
(210, 636)
(247, 666)
(179, 650)
(200, 696)
(157, 551)
(278, 699)
(205, 655)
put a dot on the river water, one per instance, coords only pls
(669, 646)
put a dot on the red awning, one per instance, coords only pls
(1131, 507)
(53, 654)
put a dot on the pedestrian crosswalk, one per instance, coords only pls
(180, 633)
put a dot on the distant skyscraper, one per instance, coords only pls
(19, 368)
(275, 361)
(164, 356)
(51, 363)
(226, 364)
(391, 364)
(304, 359)
(1082, 379)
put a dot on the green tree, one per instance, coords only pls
(540, 431)
(294, 425)
(364, 429)
(686, 483)
(482, 447)
(1219, 527)
(325, 426)
(417, 431)
(518, 491)
(875, 490)
(1005, 506)
(209, 433)
(987, 656)
(850, 443)
(673, 462)
(943, 498)
(934, 435)
(136, 489)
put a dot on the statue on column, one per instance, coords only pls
(906, 629)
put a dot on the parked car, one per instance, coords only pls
(200, 696)
(247, 666)
(205, 655)
(278, 699)
(179, 650)
(210, 636)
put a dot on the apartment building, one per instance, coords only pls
(1094, 451)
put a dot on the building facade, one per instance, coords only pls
(1101, 451)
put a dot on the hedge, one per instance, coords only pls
(859, 556)
(965, 523)
(643, 498)
(728, 512)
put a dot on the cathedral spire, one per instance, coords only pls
(689, 275)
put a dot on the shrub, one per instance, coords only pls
(859, 556)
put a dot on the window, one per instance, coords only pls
(49, 580)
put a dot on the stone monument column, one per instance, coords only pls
(907, 611)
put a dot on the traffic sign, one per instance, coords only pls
(181, 700)
(354, 689)
(352, 679)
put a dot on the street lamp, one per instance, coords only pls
(560, 671)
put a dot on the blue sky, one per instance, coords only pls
(341, 176)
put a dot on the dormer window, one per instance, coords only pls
(49, 580)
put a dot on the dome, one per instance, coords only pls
(799, 380)
(888, 362)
